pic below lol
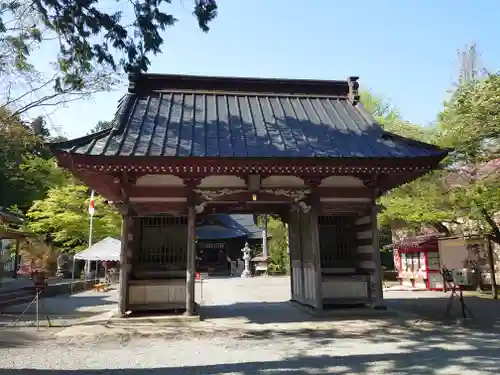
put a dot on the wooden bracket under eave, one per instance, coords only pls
(124, 208)
(125, 180)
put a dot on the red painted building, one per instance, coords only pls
(416, 260)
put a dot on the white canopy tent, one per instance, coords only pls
(107, 249)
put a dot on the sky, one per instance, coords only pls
(402, 50)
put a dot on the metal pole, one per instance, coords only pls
(264, 237)
(37, 315)
(73, 276)
(87, 262)
(16, 260)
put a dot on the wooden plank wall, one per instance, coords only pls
(296, 258)
(366, 252)
(126, 260)
(308, 259)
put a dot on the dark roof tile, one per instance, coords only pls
(276, 122)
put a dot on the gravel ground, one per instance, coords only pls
(250, 329)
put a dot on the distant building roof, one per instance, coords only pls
(224, 226)
(428, 240)
(11, 217)
(242, 222)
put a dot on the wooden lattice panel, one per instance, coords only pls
(212, 245)
(162, 241)
(337, 241)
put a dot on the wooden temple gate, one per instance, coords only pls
(183, 146)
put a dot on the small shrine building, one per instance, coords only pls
(221, 238)
(184, 146)
(417, 262)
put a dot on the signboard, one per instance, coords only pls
(201, 275)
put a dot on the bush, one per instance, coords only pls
(36, 252)
(278, 247)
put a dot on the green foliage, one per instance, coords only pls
(389, 118)
(470, 121)
(459, 196)
(277, 246)
(28, 171)
(64, 213)
(422, 201)
(91, 34)
(101, 125)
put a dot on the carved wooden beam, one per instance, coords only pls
(215, 193)
(192, 182)
(313, 182)
(341, 208)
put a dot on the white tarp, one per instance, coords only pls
(106, 250)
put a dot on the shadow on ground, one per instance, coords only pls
(67, 304)
(485, 312)
(424, 362)
(60, 311)
(399, 345)
(15, 338)
(77, 305)
(258, 312)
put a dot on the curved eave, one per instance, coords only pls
(70, 145)
(414, 142)
(153, 163)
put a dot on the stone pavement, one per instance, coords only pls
(64, 310)
(251, 329)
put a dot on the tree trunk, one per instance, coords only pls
(495, 230)
(495, 236)
(441, 228)
(491, 260)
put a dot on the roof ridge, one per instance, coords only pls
(249, 93)
(150, 82)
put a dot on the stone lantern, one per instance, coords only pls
(246, 258)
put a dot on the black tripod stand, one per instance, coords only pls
(456, 295)
(38, 304)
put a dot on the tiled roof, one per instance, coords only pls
(216, 117)
(8, 216)
(217, 232)
(241, 222)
